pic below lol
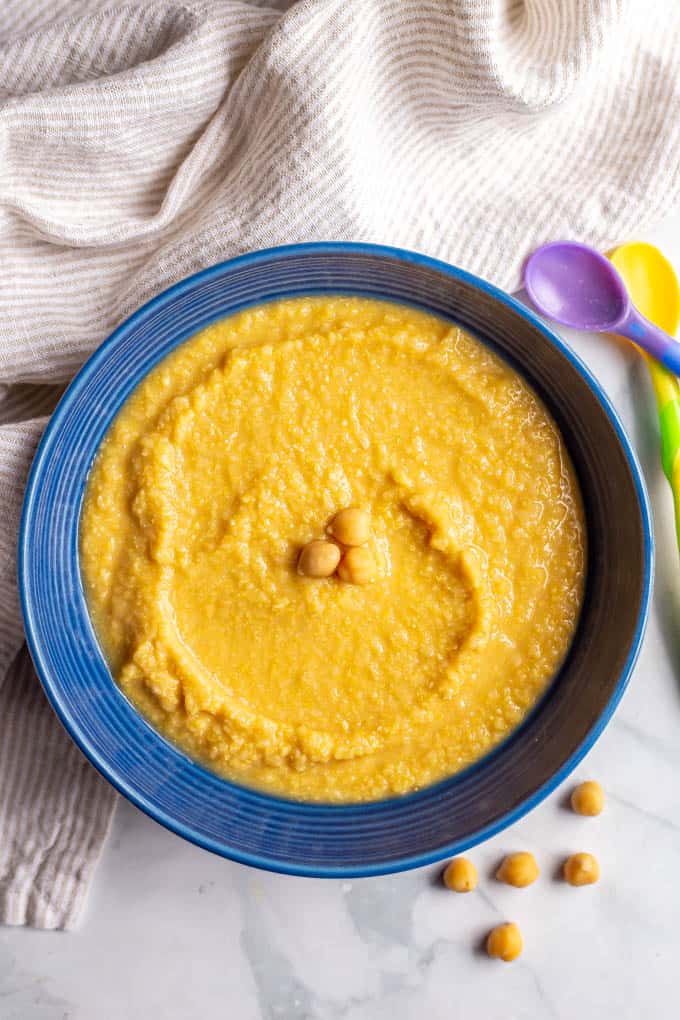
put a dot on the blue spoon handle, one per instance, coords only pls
(645, 334)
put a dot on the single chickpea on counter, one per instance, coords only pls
(504, 942)
(518, 869)
(319, 559)
(351, 526)
(460, 875)
(581, 869)
(588, 798)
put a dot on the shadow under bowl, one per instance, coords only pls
(318, 839)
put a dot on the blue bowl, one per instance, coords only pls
(319, 839)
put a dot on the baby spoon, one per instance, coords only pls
(576, 286)
(653, 287)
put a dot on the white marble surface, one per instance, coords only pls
(174, 932)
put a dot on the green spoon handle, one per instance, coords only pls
(667, 391)
(669, 424)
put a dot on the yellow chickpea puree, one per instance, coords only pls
(446, 621)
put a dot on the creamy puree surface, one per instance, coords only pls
(236, 451)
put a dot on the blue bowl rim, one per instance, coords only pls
(259, 860)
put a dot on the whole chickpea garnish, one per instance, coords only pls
(519, 870)
(581, 869)
(504, 942)
(357, 566)
(588, 798)
(460, 875)
(319, 559)
(351, 526)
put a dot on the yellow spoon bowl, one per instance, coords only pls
(654, 290)
(651, 282)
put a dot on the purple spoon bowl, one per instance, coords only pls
(575, 285)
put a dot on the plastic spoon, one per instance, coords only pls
(654, 290)
(653, 287)
(577, 286)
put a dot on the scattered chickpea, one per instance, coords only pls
(351, 526)
(319, 559)
(460, 875)
(357, 566)
(519, 870)
(504, 942)
(581, 869)
(588, 798)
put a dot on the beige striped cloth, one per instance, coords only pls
(141, 141)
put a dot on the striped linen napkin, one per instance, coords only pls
(142, 141)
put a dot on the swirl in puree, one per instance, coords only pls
(236, 451)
